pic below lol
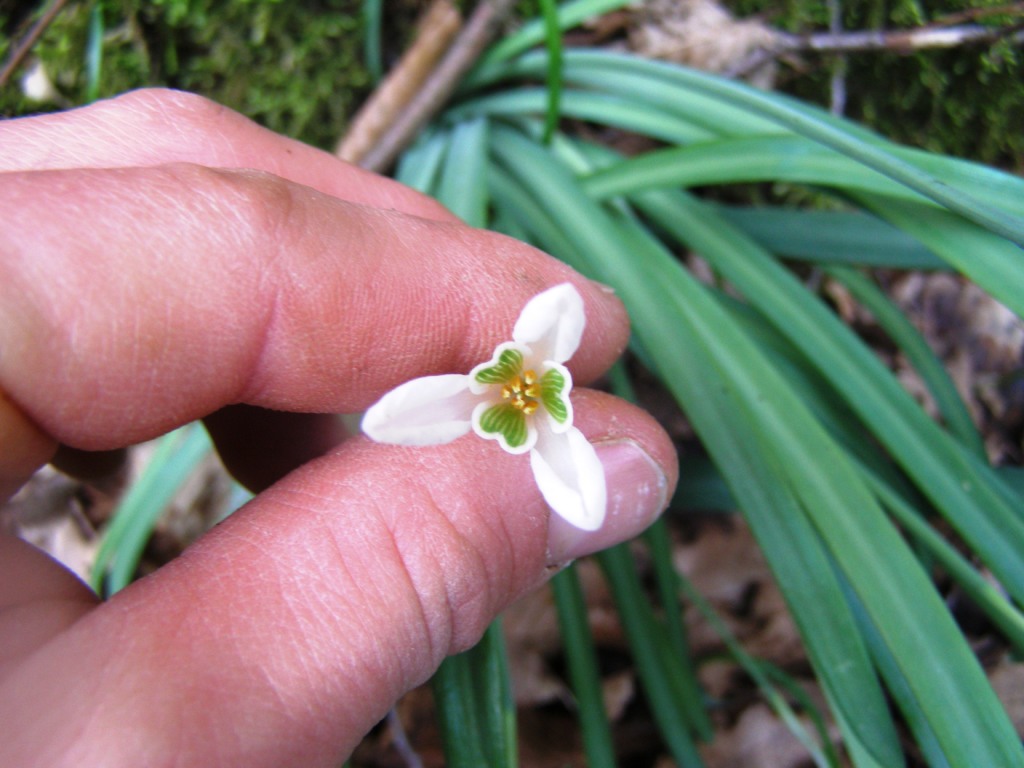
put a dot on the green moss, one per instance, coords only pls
(967, 101)
(295, 67)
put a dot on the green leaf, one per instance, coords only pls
(604, 108)
(533, 32)
(553, 43)
(131, 526)
(745, 159)
(958, 483)
(735, 109)
(992, 262)
(674, 320)
(463, 183)
(832, 237)
(372, 25)
(584, 674)
(644, 286)
(761, 673)
(419, 166)
(475, 709)
(659, 671)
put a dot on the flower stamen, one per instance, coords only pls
(523, 391)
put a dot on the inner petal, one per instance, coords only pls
(507, 424)
(508, 361)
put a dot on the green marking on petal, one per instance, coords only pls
(552, 383)
(505, 420)
(510, 362)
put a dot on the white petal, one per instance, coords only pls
(428, 411)
(551, 323)
(570, 477)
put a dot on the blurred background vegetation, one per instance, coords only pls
(299, 68)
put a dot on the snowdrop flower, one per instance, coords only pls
(519, 398)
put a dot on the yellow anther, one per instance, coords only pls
(522, 391)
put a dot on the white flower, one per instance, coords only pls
(520, 398)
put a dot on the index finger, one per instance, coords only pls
(135, 300)
(158, 126)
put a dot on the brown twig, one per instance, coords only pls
(900, 41)
(973, 14)
(463, 52)
(20, 51)
(435, 30)
(895, 41)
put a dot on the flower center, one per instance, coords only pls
(522, 392)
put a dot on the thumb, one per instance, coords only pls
(287, 632)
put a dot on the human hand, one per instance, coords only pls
(144, 284)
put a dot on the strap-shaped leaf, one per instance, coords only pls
(671, 313)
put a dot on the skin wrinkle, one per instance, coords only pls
(304, 294)
(513, 575)
(469, 345)
(472, 594)
(78, 736)
(25, 316)
(435, 634)
(363, 667)
(459, 596)
(463, 536)
(407, 565)
(83, 313)
(455, 331)
(408, 561)
(115, 136)
(328, 677)
(438, 540)
(239, 237)
(383, 593)
(272, 286)
(403, 323)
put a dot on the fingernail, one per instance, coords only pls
(637, 494)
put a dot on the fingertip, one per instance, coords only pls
(641, 472)
(638, 489)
